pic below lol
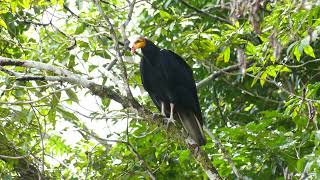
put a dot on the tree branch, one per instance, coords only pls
(219, 73)
(67, 76)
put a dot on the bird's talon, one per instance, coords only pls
(168, 121)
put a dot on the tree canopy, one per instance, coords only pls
(73, 106)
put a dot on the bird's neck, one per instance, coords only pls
(150, 51)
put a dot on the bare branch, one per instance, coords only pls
(219, 73)
(124, 25)
(14, 157)
(301, 65)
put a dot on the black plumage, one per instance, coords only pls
(169, 81)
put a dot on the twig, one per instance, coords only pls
(14, 157)
(142, 160)
(41, 137)
(111, 64)
(300, 65)
(37, 100)
(205, 14)
(31, 87)
(219, 73)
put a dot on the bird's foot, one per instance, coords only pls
(168, 121)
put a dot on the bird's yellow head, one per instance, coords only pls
(139, 43)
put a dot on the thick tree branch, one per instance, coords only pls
(67, 76)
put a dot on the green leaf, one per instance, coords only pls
(263, 78)
(304, 43)
(102, 53)
(72, 62)
(85, 56)
(67, 115)
(52, 116)
(226, 54)
(13, 7)
(271, 71)
(317, 137)
(251, 49)
(92, 67)
(3, 24)
(55, 99)
(254, 81)
(165, 15)
(309, 51)
(297, 53)
(254, 69)
(26, 4)
(282, 68)
(106, 102)
(80, 29)
(291, 46)
(184, 156)
(72, 95)
(301, 164)
(248, 108)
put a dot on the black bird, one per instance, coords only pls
(169, 81)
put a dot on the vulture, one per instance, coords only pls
(169, 81)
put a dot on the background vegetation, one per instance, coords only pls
(72, 105)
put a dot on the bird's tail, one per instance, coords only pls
(193, 126)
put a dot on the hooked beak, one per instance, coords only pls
(133, 50)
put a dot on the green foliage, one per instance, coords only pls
(265, 114)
